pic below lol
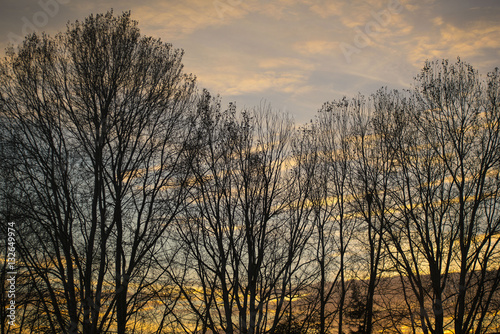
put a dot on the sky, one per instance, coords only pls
(293, 54)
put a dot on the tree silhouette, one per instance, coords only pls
(100, 117)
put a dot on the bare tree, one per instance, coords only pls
(369, 185)
(99, 114)
(447, 220)
(333, 224)
(240, 244)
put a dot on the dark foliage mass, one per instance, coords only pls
(141, 205)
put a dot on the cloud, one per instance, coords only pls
(438, 21)
(286, 63)
(289, 50)
(326, 9)
(176, 20)
(314, 47)
(451, 41)
(281, 82)
(238, 83)
(277, 9)
(169, 19)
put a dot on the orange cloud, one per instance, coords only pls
(315, 47)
